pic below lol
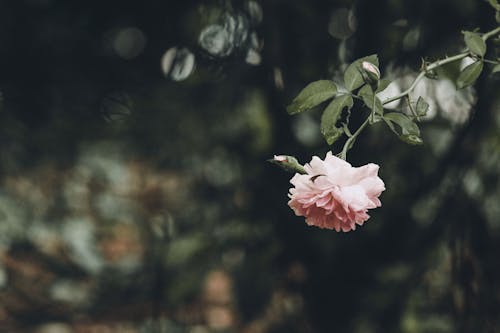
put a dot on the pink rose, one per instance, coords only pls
(335, 195)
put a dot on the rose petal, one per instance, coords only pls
(335, 195)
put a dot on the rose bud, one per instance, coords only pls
(288, 163)
(371, 73)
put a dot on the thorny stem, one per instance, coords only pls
(430, 67)
(351, 139)
(349, 142)
(347, 131)
(372, 114)
(412, 109)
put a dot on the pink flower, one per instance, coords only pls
(335, 195)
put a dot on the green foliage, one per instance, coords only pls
(475, 43)
(496, 69)
(182, 249)
(353, 78)
(411, 139)
(494, 4)
(382, 85)
(469, 74)
(370, 100)
(312, 95)
(409, 131)
(421, 107)
(331, 115)
(365, 78)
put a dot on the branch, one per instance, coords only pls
(437, 64)
(349, 142)
(432, 66)
(490, 34)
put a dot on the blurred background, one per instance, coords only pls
(135, 195)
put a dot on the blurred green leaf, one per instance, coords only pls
(366, 93)
(410, 133)
(494, 4)
(469, 74)
(313, 94)
(475, 43)
(331, 115)
(497, 16)
(352, 75)
(421, 107)
(183, 249)
(496, 69)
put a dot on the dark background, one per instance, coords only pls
(133, 199)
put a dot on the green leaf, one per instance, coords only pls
(497, 16)
(313, 94)
(469, 74)
(412, 139)
(352, 75)
(410, 133)
(496, 69)
(421, 107)
(475, 43)
(403, 121)
(382, 85)
(366, 93)
(331, 115)
(391, 126)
